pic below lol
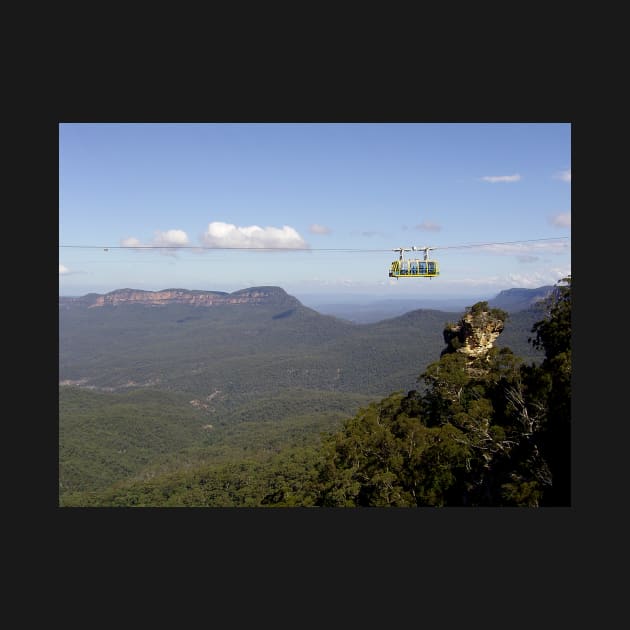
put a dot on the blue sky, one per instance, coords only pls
(313, 186)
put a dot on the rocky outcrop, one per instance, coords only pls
(254, 295)
(476, 331)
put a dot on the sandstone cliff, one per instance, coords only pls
(253, 295)
(476, 331)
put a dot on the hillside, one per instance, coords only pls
(150, 384)
(241, 348)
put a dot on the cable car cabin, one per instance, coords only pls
(413, 267)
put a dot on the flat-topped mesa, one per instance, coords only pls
(253, 295)
(157, 298)
(476, 332)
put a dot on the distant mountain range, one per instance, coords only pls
(514, 300)
(367, 310)
(260, 338)
(510, 300)
(256, 340)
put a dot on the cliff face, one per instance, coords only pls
(254, 295)
(476, 331)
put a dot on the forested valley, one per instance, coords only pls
(275, 405)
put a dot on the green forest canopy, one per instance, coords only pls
(487, 431)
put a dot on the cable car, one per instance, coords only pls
(414, 267)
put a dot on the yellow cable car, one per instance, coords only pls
(414, 267)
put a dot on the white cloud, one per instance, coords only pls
(428, 226)
(221, 234)
(565, 175)
(63, 269)
(171, 238)
(315, 228)
(538, 279)
(561, 220)
(494, 179)
(130, 242)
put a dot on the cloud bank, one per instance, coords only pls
(223, 235)
(170, 238)
(130, 242)
(63, 269)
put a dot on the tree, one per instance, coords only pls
(553, 334)
(487, 430)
